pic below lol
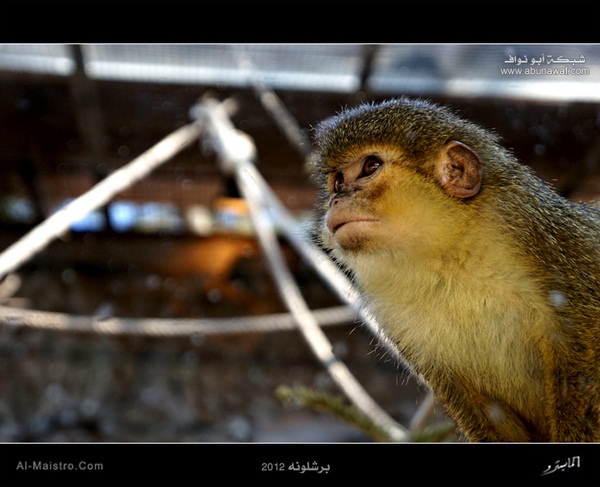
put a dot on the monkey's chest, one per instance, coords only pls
(485, 333)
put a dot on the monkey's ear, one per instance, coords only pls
(459, 170)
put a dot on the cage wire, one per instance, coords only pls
(236, 153)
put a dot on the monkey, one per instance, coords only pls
(485, 279)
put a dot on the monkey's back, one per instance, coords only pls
(560, 243)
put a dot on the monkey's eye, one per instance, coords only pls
(370, 166)
(338, 183)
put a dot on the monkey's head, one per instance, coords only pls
(397, 175)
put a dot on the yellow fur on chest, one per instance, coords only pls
(467, 313)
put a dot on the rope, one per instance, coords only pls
(58, 223)
(300, 241)
(276, 108)
(223, 134)
(166, 327)
(236, 152)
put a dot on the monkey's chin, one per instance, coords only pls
(354, 236)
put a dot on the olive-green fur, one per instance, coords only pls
(555, 244)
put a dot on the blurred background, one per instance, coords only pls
(179, 245)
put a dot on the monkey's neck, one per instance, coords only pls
(468, 309)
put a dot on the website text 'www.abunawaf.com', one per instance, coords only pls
(545, 65)
(545, 71)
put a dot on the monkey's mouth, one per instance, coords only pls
(357, 221)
